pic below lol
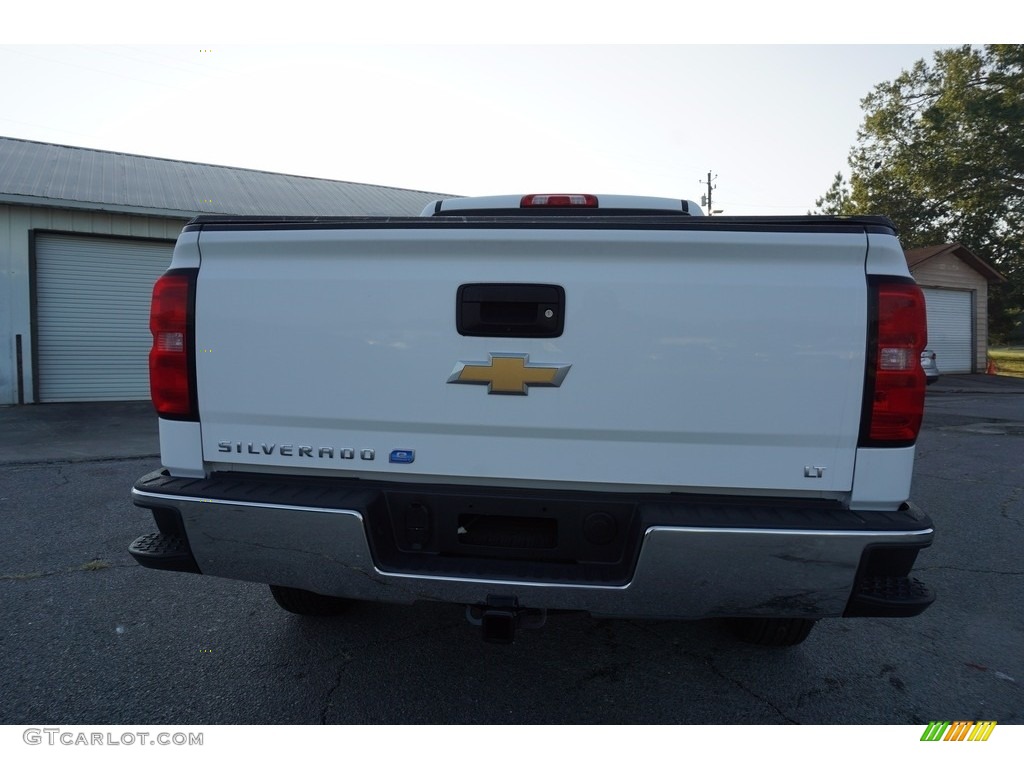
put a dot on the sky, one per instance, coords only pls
(772, 123)
(471, 98)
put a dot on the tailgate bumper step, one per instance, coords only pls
(889, 596)
(164, 552)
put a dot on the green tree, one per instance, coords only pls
(941, 152)
(837, 201)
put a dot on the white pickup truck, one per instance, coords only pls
(598, 403)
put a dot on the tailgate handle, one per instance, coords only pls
(512, 310)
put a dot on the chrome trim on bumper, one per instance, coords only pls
(681, 572)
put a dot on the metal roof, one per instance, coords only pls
(54, 175)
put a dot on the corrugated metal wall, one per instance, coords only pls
(92, 316)
(17, 223)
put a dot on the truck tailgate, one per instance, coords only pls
(706, 361)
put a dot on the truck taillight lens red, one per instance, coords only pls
(896, 385)
(172, 359)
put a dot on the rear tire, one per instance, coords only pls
(777, 633)
(307, 603)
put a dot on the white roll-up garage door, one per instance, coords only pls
(950, 326)
(92, 316)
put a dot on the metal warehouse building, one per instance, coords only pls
(955, 284)
(85, 233)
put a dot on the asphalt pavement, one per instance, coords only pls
(977, 384)
(31, 434)
(92, 637)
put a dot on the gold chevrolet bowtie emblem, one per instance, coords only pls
(506, 374)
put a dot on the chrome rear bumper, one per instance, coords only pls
(679, 571)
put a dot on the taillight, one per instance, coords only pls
(896, 382)
(558, 201)
(171, 360)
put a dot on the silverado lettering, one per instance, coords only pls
(226, 446)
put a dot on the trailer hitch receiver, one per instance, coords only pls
(501, 617)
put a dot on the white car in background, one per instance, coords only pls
(931, 369)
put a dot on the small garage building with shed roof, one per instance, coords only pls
(955, 283)
(85, 233)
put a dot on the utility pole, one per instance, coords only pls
(706, 199)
